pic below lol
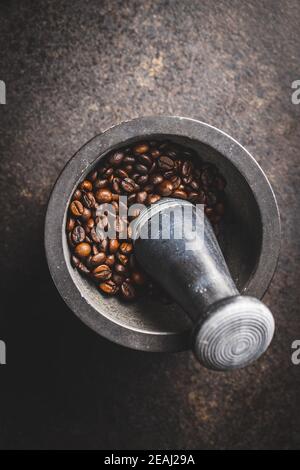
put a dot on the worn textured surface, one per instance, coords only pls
(72, 69)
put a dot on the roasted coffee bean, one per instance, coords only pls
(75, 261)
(165, 163)
(129, 159)
(128, 291)
(180, 194)
(128, 168)
(142, 180)
(88, 200)
(70, 224)
(95, 235)
(131, 198)
(169, 174)
(123, 259)
(142, 169)
(109, 287)
(77, 195)
(76, 208)
(149, 188)
(121, 173)
(128, 185)
(141, 197)
(104, 195)
(97, 259)
(120, 268)
(153, 198)
(116, 185)
(156, 178)
(102, 272)
(141, 148)
(116, 159)
(155, 153)
(145, 160)
(165, 188)
(126, 248)
(192, 196)
(83, 250)
(78, 234)
(93, 176)
(86, 185)
(103, 245)
(110, 260)
(176, 181)
(86, 214)
(186, 169)
(100, 184)
(90, 223)
(118, 278)
(113, 245)
(194, 185)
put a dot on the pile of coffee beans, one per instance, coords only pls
(145, 173)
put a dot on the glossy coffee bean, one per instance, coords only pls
(165, 163)
(165, 188)
(116, 159)
(103, 195)
(83, 250)
(141, 148)
(128, 290)
(102, 272)
(97, 259)
(86, 185)
(109, 287)
(78, 234)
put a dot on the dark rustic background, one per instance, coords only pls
(72, 69)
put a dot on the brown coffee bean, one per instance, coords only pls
(169, 174)
(70, 224)
(128, 185)
(143, 179)
(193, 195)
(142, 169)
(145, 160)
(141, 197)
(138, 278)
(78, 234)
(116, 159)
(149, 188)
(86, 214)
(165, 163)
(186, 169)
(121, 173)
(129, 159)
(75, 261)
(97, 259)
(83, 269)
(95, 235)
(126, 248)
(155, 153)
(119, 268)
(194, 185)
(128, 291)
(86, 185)
(104, 195)
(100, 184)
(76, 208)
(118, 278)
(123, 259)
(88, 200)
(110, 260)
(102, 272)
(93, 176)
(141, 148)
(153, 198)
(90, 223)
(83, 250)
(131, 198)
(113, 245)
(109, 287)
(103, 245)
(176, 181)
(77, 195)
(156, 178)
(180, 194)
(165, 188)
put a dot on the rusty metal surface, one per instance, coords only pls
(71, 71)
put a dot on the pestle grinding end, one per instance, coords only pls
(234, 332)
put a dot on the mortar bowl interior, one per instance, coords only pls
(250, 224)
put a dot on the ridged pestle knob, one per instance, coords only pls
(176, 245)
